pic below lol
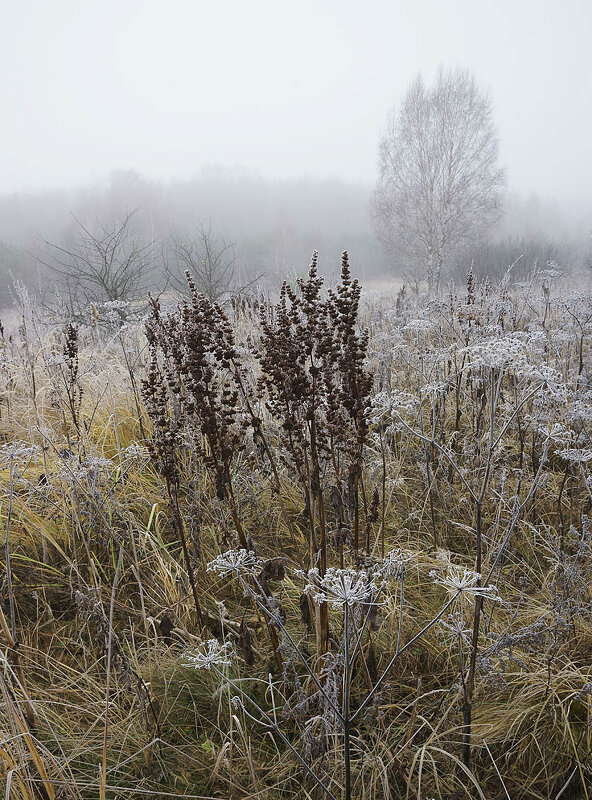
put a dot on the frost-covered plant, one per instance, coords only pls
(351, 593)
(234, 562)
(465, 582)
(316, 386)
(481, 420)
(340, 587)
(479, 377)
(211, 654)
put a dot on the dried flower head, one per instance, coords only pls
(577, 456)
(464, 581)
(454, 628)
(234, 562)
(19, 451)
(340, 587)
(394, 564)
(210, 654)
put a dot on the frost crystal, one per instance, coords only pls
(455, 628)
(465, 581)
(211, 654)
(515, 351)
(575, 455)
(419, 326)
(136, 451)
(393, 400)
(18, 451)
(556, 432)
(434, 390)
(394, 564)
(234, 561)
(340, 587)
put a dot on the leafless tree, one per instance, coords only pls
(101, 265)
(439, 185)
(211, 261)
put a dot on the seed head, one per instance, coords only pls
(340, 587)
(465, 581)
(210, 654)
(234, 562)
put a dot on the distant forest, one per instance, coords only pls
(272, 225)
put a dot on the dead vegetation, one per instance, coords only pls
(455, 432)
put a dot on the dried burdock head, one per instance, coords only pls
(350, 347)
(167, 425)
(305, 615)
(71, 350)
(245, 643)
(470, 286)
(274, 569)
(312, 357)
(374, 507)
(286, 348)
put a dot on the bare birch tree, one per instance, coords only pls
(439, 185)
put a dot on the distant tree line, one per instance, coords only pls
(231, 229)
(266, 228)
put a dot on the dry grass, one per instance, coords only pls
(95, 701)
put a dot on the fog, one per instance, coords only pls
(264, 117)
(287, 90)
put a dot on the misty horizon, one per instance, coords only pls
(282, 95)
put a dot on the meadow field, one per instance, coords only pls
(332, 543)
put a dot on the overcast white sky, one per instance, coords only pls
(282, 88)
